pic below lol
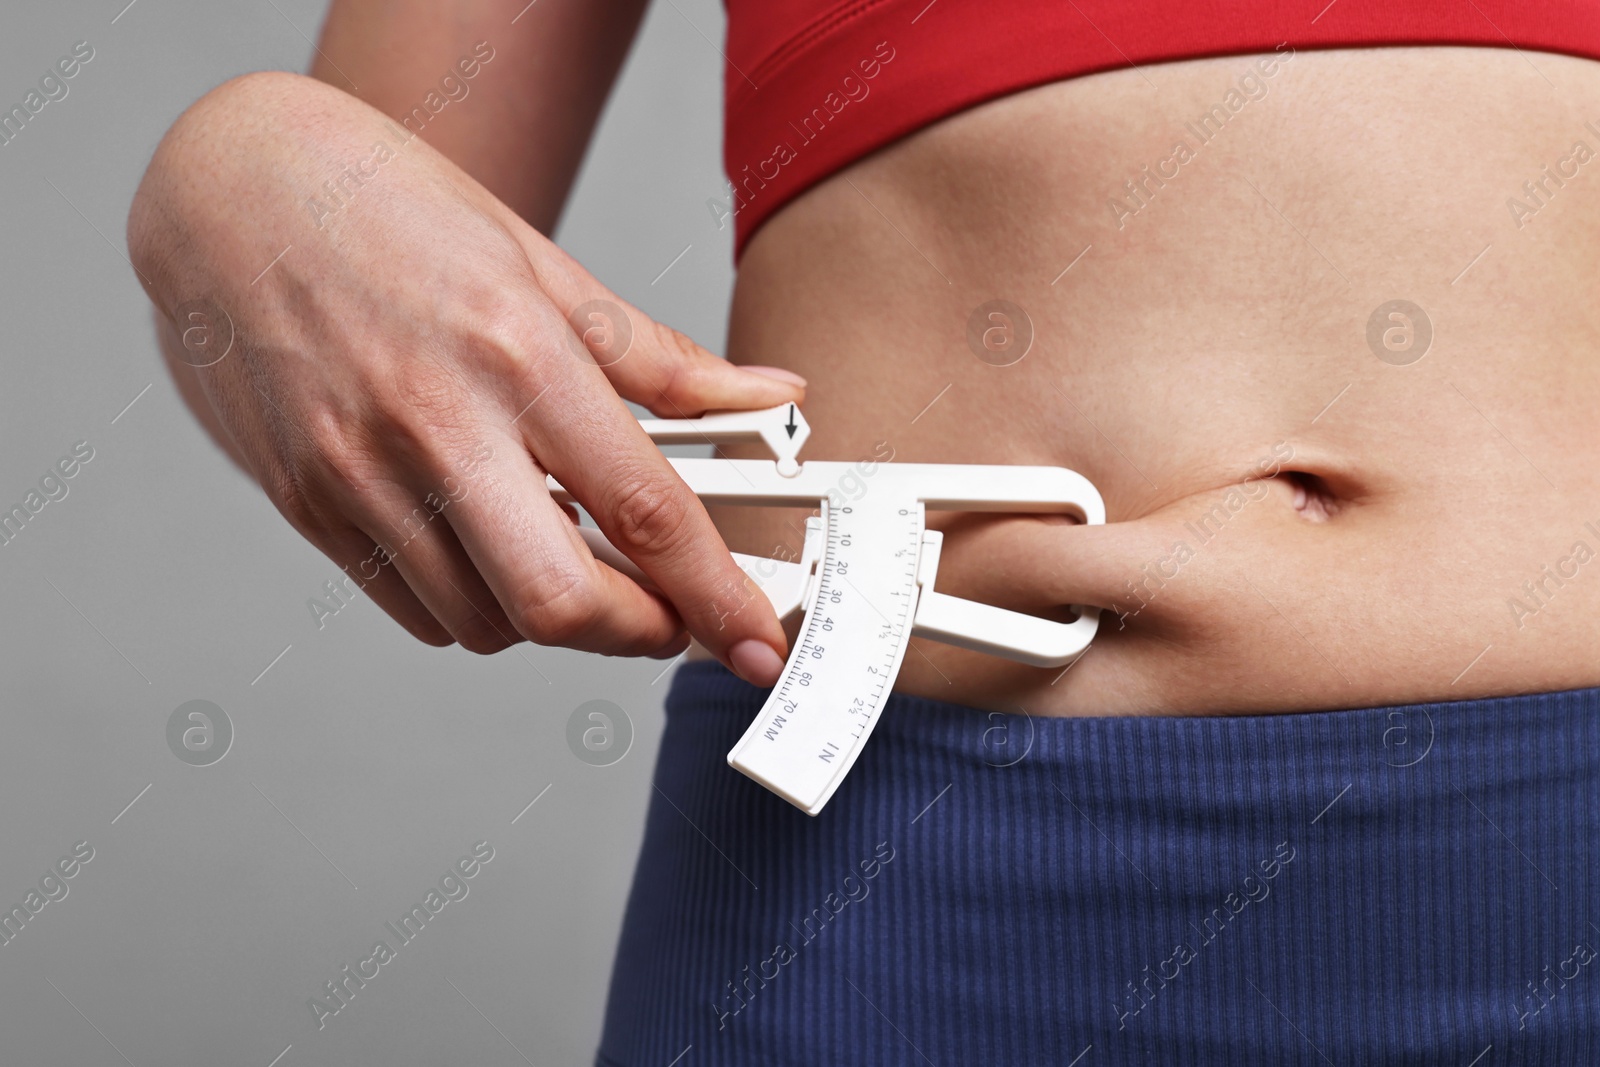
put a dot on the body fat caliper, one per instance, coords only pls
(864, 580)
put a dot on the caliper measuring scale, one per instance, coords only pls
(864, 581)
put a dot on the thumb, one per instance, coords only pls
(674, 377)
(649, 362)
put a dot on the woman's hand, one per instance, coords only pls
(408, 360)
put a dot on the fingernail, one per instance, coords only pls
(755, 662)
(776, 372)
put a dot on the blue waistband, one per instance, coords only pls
(1404, 885)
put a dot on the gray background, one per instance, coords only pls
(364, 763)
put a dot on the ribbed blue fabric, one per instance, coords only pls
(1409, 885)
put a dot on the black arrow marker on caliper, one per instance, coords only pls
(792, 426)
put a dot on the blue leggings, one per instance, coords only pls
(1385, 886)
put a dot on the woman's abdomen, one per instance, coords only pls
(1322, 337)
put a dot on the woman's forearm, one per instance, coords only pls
(507, 90)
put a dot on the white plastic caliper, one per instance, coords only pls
(864, 580)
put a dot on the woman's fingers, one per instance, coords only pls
(420, 545)
(392, 542)
(598, 452)
(549, 586)
(366, 570)
(404, 550)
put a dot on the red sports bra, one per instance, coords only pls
(813, 85)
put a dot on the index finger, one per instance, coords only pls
(597, 450)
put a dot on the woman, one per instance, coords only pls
(1305, 293)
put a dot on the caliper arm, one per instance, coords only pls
(939, 617)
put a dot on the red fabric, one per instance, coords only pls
(785, 58)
